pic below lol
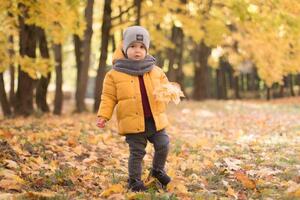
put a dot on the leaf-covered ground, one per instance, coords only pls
(219, 150)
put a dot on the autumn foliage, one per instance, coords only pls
(230, 150)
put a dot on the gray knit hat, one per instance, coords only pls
(135, 34)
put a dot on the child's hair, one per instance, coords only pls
(135, 34)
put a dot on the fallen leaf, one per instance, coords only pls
(9, 174)
(11, 164)
(6, 196)
(6, 134)
(231, 192)
(44, 194)
(90, 160)
(117, 188)
(116, 197)
(243, 178)
(150, 181)
(264, 172)
(294, 190)
(209, 164)
(72, 142)
(10, 184)
(233, 164)
(242, 195)
(78, 150)
(177, 186)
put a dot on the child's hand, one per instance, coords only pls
(101, 122)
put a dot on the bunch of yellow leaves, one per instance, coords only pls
(168, 92)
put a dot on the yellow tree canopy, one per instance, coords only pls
(59, 19)
(8, 28)
(268, 34)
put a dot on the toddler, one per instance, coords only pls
(129, 87)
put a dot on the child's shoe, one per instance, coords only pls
(161, 176)
(136, 185)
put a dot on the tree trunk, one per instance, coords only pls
(291, 85)
(78, 57)
(58, 101)
(231, 78)
(268, 93)
(221, 84)
(172, 55)
(281, 91)
(42, 86)
(175, 56)
(106, 26)
(3, 98)
(256, 86)
(12, 73)
(24, 95)
(218, 84)
(221, 75)
(251, 81)
(236, 87)
(285, 85)
(113, 42)
(179, 71)
(242, 76)
(298, 79)
(138, 4)
(200, 90)
(248, 82)
(159, 54)
(84, 66)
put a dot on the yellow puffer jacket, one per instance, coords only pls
(123, 91)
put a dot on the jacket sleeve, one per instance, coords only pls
(108, 97)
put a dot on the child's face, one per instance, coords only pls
(136, 51)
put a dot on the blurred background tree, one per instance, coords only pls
(56, 50)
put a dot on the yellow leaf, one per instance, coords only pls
(133, 196)
(294, 190)
(6, 134)
(209, 164)
(11, 164)
(45, 194)
(5, 196)
(116, 197)
(117, 188)
(92, 159)
(8, 174)
(168, 92)
(149, 182)
(8, 184)
(231, 191)
(78, 150)
(72, 142)
(171, 172)
(243, 178)
(53, 165)
(177, 186)
(233, 164)
(12, 182)
(95, 139)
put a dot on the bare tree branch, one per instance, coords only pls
(122, 13)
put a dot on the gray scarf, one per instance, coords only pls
(135, 67)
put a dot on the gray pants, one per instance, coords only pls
(137, 144)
